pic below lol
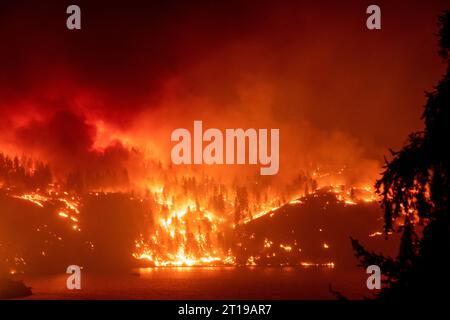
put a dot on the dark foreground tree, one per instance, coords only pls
(415, 189)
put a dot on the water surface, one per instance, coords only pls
(206, 283)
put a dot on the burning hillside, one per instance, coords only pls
(176, 220)
(89, 120)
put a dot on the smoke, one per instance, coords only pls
(339, 94)
(66, 140)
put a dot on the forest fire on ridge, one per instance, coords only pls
(206, 247)
(99, 119)
(199, 221)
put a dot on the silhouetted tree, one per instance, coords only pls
(415, 190)
(240, 204)
(24, 173)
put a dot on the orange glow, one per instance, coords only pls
(63, 214)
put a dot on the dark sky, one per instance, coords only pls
(139, 69)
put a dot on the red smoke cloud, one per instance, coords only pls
(338, 92)
(66, 136)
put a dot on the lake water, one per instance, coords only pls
(206, 283)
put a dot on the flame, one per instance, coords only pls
(189, 225)
(63, 214)
(171, 242)
(35, 198)
(178, 239)
(68, 205)
(286, 247)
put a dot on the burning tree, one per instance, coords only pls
(415, 191)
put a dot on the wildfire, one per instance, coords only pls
(286, 247)
(187, 233)
(35, 198)
(68, 206)
(63, 214)
(192, 219)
